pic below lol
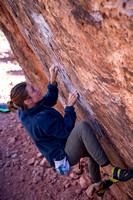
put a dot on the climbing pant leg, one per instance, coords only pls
(94, 170)
(83, 142)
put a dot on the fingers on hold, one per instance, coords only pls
(56, 67)
(76, 93)
(53, 68)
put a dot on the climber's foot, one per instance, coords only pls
(122, 174)
(105, 184)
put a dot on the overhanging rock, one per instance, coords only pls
(91, 42)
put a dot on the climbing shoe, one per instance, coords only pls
(120, 174)
(105, 184)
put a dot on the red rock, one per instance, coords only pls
(31, 161)
(74, 176)
(36, 163)
(79, 191)
(39, 155)
(77, 170)
(90, 192)
(37, 178)
(68, 193)
(83, 183)
(67, 185)
(91, 43)
(42, 163)
(108, 196)
(74, 183)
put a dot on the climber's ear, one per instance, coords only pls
(28, 102)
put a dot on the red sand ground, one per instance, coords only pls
(20, 177)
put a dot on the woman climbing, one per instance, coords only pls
(56, 137)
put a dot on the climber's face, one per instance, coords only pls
(34, 96)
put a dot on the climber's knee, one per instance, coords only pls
(84, 128)
(83, 124)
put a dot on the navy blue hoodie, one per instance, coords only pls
(47, 127)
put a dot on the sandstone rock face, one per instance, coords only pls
(91, 42)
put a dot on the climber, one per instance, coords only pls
(56, 137)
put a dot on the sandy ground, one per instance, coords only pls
(24, 173)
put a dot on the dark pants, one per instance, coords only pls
(82, 142)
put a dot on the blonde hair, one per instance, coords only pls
(18, 95)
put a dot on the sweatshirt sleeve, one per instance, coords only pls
(50, 99)
(70, 116)
(51, 125)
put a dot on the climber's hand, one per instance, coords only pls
(72, 98)
(53, 74)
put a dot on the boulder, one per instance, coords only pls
(90, 41)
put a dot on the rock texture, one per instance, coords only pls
(91, 42)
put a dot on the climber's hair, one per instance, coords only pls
(18, 95)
